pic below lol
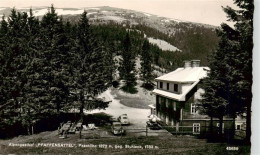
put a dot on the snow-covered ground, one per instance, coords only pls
(177, 20)
(90, 13)
(23, 8)
(138, 66)
(1, 16)
(137, 117)
(42, 12)
(92, 8)
(115, 108)
(165, 20)
(147, 14)
(158, 70)
(163, 44)
(114, 18)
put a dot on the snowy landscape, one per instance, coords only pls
(110, 80)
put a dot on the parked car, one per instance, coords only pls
(117, 128)
(153, 125)
(123, 119)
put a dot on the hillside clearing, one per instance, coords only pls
(163, 45)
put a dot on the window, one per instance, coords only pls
(238, 127)
(167, 86)
(161, 85)
(159, 99)
(196, 128)
(167, 103)
(193, 108)
(174, 106)
(175, 87)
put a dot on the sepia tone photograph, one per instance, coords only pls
(128, 77)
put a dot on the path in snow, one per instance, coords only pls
(115, 108)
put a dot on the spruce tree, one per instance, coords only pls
(3, 58)
(231, 66)
(243, 19)
(47, 65)
(90, 63)
(13, 63)
(146, 65)
(6, 104)
(17, 34)
(30, 109)
(127, 65)
(56, 48)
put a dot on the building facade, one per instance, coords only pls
(177, 96)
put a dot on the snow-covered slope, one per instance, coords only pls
(63, 11)
(161, 23)
(105, 14)
(165, 46)
(58, 11)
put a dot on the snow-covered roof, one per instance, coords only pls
(178, 97)
(188, 76)
(152, 106)
(185, 75)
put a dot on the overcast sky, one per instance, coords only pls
(201, 11)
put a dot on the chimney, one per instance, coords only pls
(195, 63)
(187, 63)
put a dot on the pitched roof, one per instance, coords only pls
(183, 75)
(191, 75)
(178, 97)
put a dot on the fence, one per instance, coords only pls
(164, 131)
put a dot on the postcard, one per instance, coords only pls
(128, 77)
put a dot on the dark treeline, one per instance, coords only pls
(49, 67)
(228, 87)
(55, 64)
(200, 43)
(195, 41)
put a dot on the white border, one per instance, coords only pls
(255, 138)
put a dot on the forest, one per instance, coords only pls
(53, 65)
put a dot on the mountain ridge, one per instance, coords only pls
(195, 40)
(6, 11)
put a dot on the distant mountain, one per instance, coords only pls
(196, 39)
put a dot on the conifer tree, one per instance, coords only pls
(242, 65)
(55, 48)
(110, 52)
(127, 64)
(30, 96)
(3, 58)
(6, 103)
(13, 63)
(47, 65)
(146, 65)
(230, 77)
(90, 67)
